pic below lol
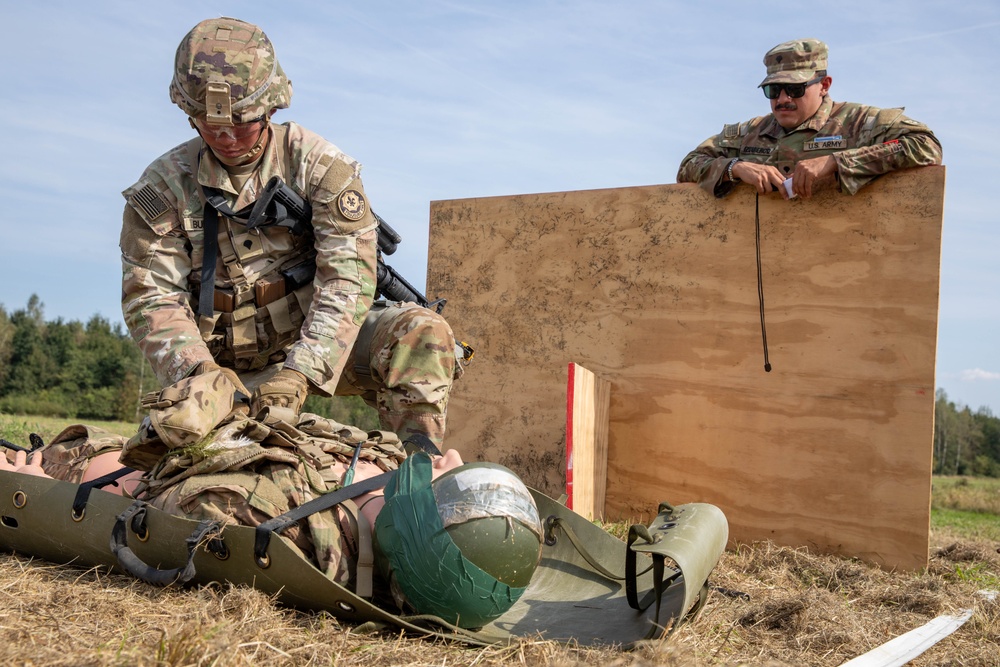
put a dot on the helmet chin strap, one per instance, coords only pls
(247, 157)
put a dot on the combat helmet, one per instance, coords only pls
(226, 71)
(462, 548)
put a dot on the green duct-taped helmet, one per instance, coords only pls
(226, 71)
(462, 548)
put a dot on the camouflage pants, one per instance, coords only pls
(403, 364)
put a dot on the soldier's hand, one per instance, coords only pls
(24, 464)
(811, 173)
(209, 366)
(287, 389)
(764, 177)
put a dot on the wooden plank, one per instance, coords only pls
(655, 289)
(905, 648)
(588, 401)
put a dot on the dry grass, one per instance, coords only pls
(771, 606)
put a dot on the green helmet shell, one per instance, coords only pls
(492, 518)
(226, 70)
(463, 548)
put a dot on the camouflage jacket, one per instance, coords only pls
(312, 328)
(865, 141)
(252, 471)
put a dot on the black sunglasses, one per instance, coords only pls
(794, 90)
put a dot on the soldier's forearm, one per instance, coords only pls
(166, 332)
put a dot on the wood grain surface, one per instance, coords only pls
(655, 288)
(588, 404)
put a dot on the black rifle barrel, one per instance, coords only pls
(388, 239)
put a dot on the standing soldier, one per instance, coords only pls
(285, 309)
(808, 137)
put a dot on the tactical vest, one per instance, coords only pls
(314, 442)
(249, 471)
(260, 314)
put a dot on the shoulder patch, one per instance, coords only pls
(352, 204)
(735, 130)
(336, 173)
(888, 116)
(149, 201)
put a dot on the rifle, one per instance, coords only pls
(279, 205)
(388, 281)
(35, 440)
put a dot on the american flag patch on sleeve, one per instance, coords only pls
(149, 201)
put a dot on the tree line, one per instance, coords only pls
(96, 371)
(965, 442)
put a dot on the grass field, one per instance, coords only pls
(770, 605)
(16, 429)
(968, 507)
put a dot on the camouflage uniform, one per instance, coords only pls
(865, 141)
(240, 471)
(251, 471)
(203, 459)
(254, 324)
(70, 453)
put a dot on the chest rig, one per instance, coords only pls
(248, 324)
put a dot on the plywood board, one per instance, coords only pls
(588, 403)
(655, 288)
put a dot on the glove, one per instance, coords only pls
(239, 404)
(287, 389)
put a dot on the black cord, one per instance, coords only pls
(760, 283)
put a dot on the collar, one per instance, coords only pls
(814, 123)
(213, 174)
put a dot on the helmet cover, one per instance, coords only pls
(226, 71)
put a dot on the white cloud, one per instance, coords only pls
(974, 374)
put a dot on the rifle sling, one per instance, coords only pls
(363, 349)
(206, 300)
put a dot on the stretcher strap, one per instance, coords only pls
(280, 523)
(659, 583)
(554, 522)
(83, 492)
(135, 514)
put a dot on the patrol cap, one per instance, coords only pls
(795, 62)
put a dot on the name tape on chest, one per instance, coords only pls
(756, 150)
(834, 143)
(192, 224)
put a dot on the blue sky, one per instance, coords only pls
(455, 99)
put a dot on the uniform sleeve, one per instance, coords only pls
(344, 287)
(706, 165)
(156, 262)
(893, 142)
